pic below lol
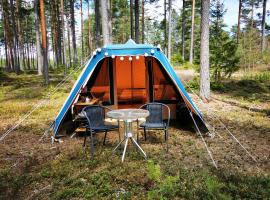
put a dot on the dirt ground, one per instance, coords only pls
(27, 162)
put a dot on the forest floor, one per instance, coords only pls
(31, 168)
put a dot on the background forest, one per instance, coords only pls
(73, 30)
(44, 45)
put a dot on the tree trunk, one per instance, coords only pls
(131, 20)
(82, 48)
(143, 21)
(15, 38)
(263, 26)
(170, 30)
(38, 46)
(192, 33)
(5, 29)
(63, 35)
(183, 29)
(165, 27)
(69, 49)
(44, 42)
(97, 23)
(89, 29)
(137, 21)
(204, 57)
(252, 14)
(239, 20)
(106, 22)
(72, 24)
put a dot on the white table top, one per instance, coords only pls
(128, 114)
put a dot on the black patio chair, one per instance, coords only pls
(95, 115)
(156, 119)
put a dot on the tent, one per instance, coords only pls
(123, 76)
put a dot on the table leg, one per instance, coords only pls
(119, 144)
(138, 146)
(125, 148)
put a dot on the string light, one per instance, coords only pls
(122, 58)
(113, 56)
(99, 50)
(146, 54)
(152, 51)
(137, 57)
(159, 46)
(130, 58)
(106, 53)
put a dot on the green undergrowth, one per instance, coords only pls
(249, 88)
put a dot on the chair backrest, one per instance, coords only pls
(94, 114)
(156, 112)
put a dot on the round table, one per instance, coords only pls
(128, 116)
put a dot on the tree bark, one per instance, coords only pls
(239, 20)
(38, 46)
(137, 21)
(143, 27)
(170, 30)
(165, 27)
(44, 41)
(192, 33)
(15, 38)
(131, 20)
(183, 29)
(69, 49)
(97, 23)
(89, 28)
(63, 35)
(106, 22)
(82, 45)
(204, 57)
(263, 26)
(72, 24)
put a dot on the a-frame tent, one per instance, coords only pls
(127, 75)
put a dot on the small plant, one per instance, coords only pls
(154, 172)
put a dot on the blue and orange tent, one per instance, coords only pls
(127, 75)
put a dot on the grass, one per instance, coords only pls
(38, 170)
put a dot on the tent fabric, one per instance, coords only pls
(128, 49)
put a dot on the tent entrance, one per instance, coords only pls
(130, 81)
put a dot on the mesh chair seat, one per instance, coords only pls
(153, 125)
(103, 127)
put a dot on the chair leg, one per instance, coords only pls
(84, 141)
(166, 139)
(105, 137)
(144, 130)
(92, 145)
